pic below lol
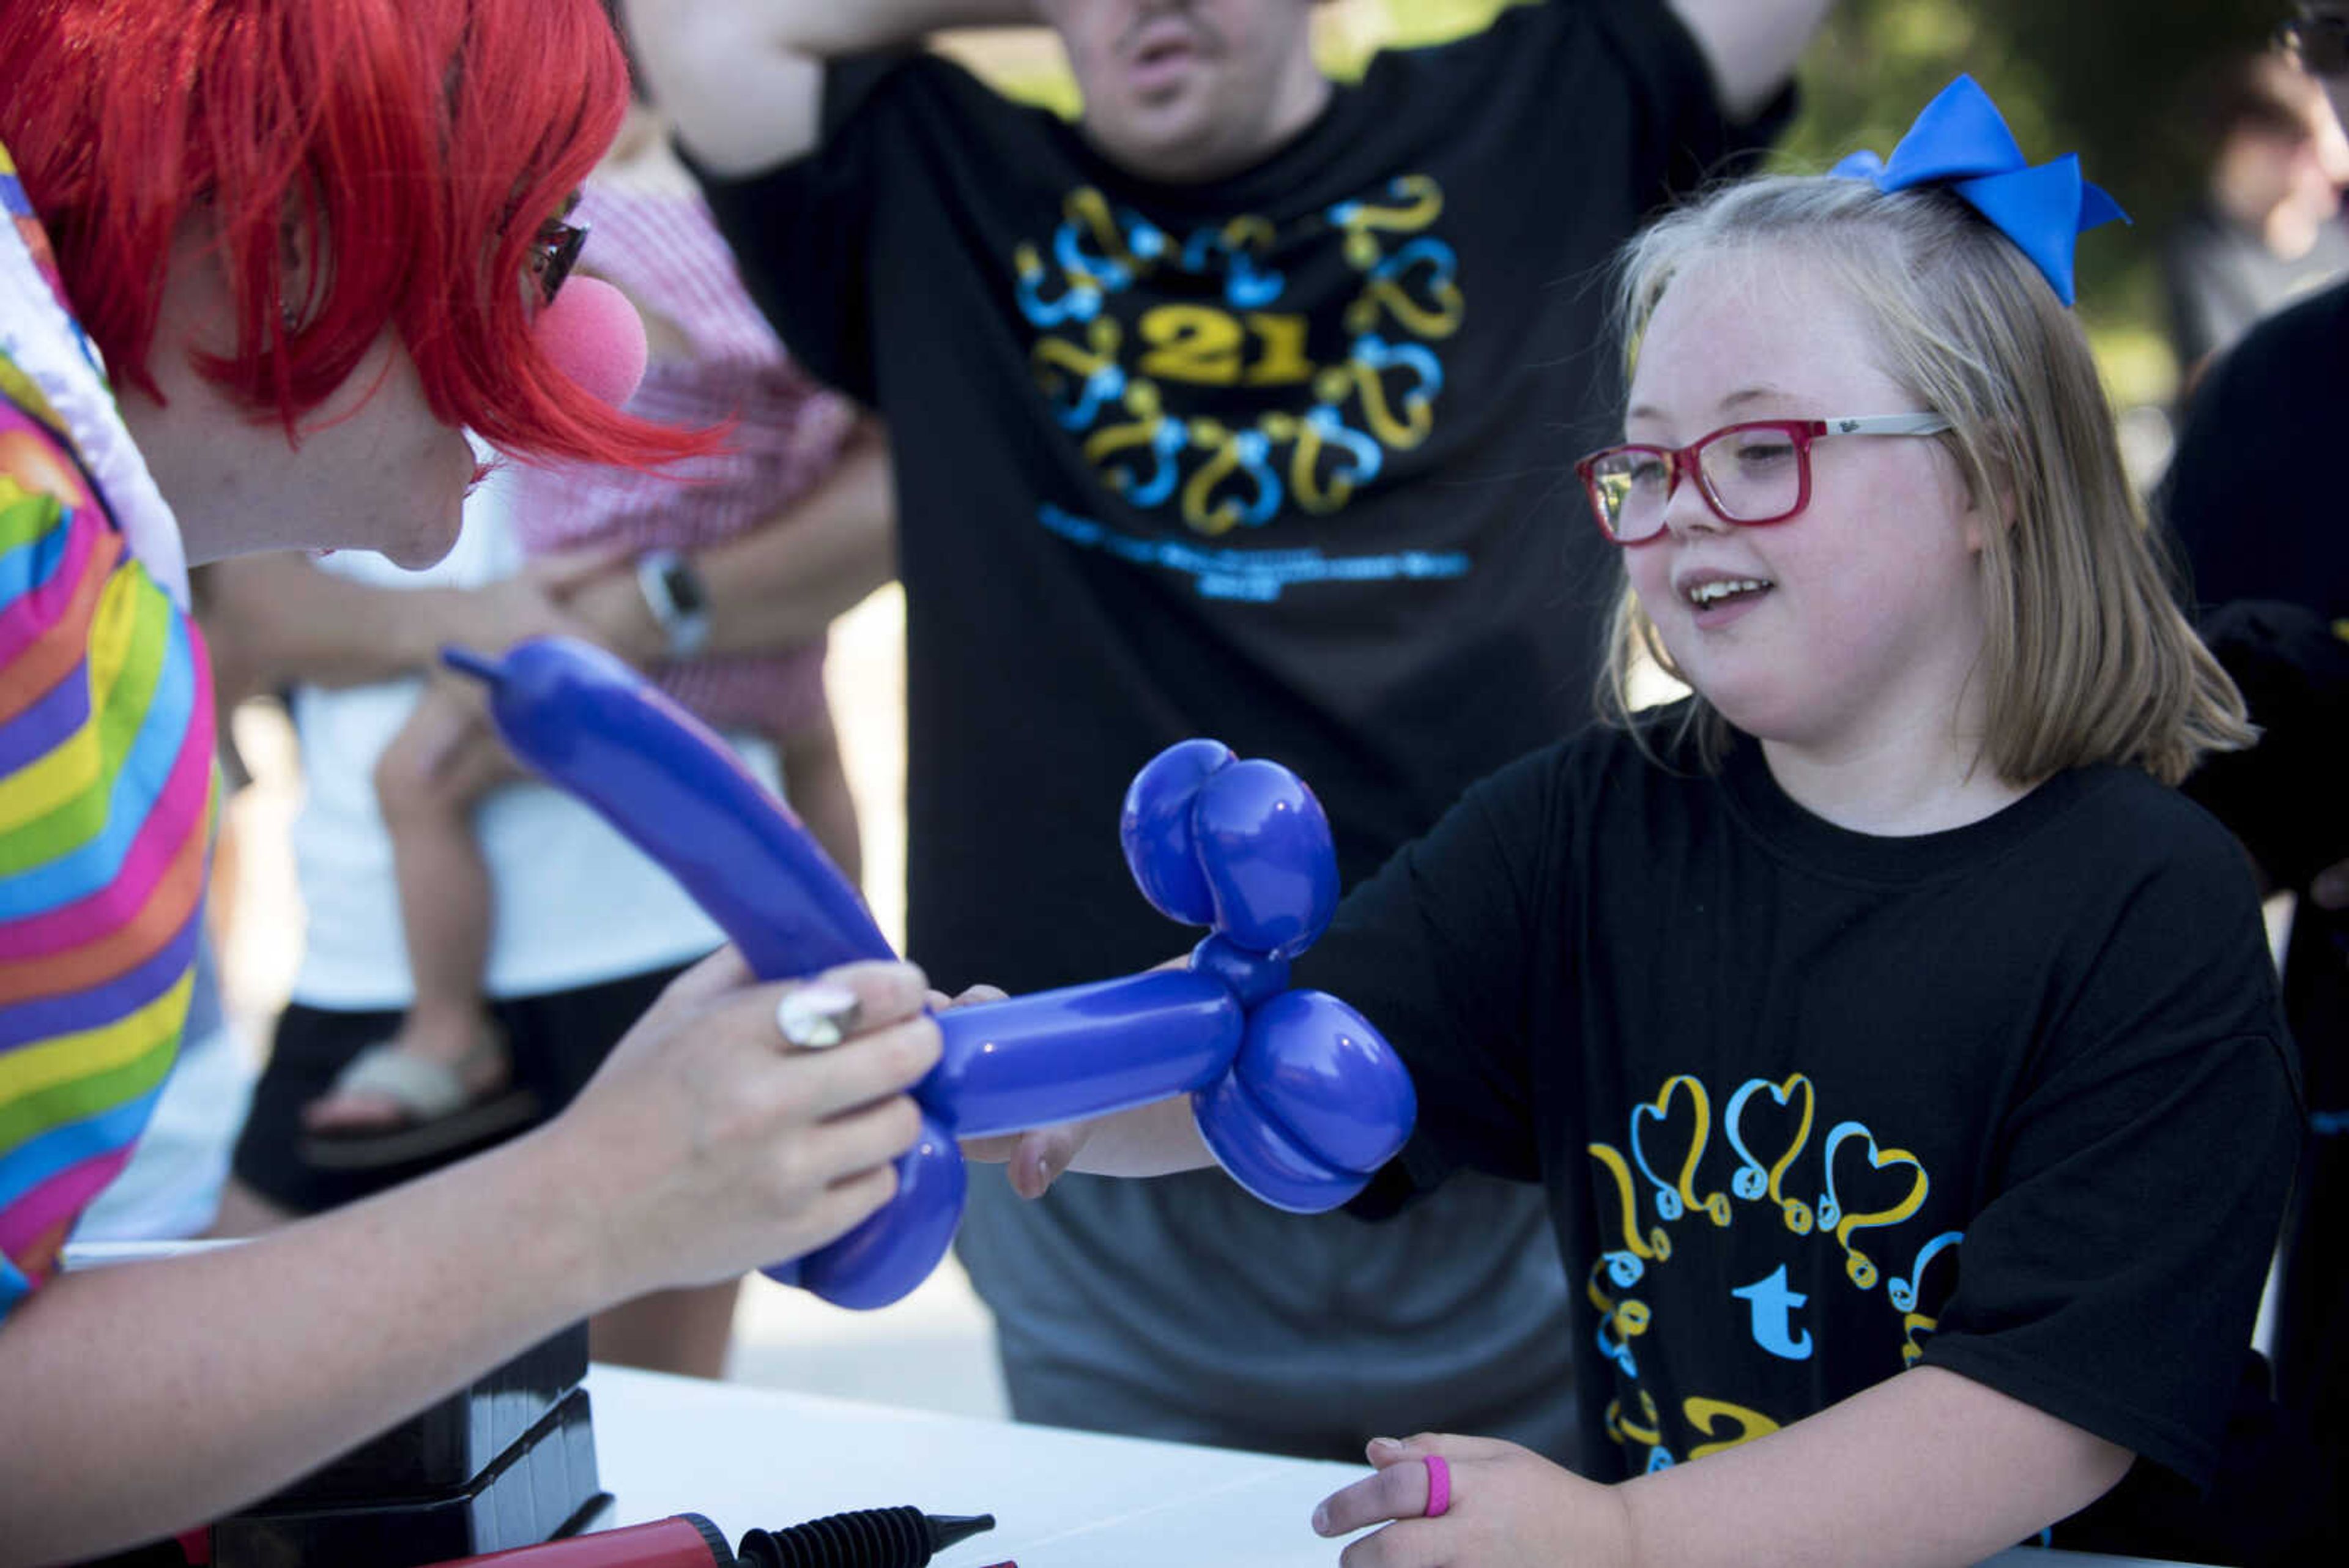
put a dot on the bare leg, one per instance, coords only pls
(444, 901)
(427, 782)
(817, 787)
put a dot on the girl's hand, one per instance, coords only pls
(1509, 1506)
(1034, 1160)
(708, 1146)
(1036, 1157)
(940, 1001)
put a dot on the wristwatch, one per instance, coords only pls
(673, 591)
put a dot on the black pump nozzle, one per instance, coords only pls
(869, 1538)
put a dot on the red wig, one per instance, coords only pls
(411, 149)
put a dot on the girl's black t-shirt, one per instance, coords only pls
(1814, 1106)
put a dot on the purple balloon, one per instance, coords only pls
(1329, 1078)
(1086, 1051)
(1264, 849)
(1254, 1152)
(896, 1247)
(598, 729)
(1296, 1094)
(1154, 828)
(1254, 978)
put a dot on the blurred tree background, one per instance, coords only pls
(2108, 78)
(2111, 79)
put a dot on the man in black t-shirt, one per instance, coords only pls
(1242, 407)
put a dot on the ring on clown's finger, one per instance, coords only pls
(817, 1017)
(1439, 1487)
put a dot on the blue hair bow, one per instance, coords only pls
(1959, 141)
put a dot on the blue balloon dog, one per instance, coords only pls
(1300, 1099)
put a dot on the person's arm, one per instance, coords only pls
(276, 620)
(1927, 1468)
(151, 1397)
(1751, 45)
(742, 82)
(777, 585)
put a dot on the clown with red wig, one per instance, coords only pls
(268, 263)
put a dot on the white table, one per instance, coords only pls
(754, 1458)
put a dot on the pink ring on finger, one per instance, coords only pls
(1439, 1486)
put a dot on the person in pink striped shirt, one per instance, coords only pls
(622, 544)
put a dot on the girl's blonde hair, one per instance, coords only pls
(2087, 657)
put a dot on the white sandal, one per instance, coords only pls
(439, 1114)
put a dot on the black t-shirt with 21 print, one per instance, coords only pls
(1282, 459)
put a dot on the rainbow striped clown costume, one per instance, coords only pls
(106, 778)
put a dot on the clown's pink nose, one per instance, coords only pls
(594, 336)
